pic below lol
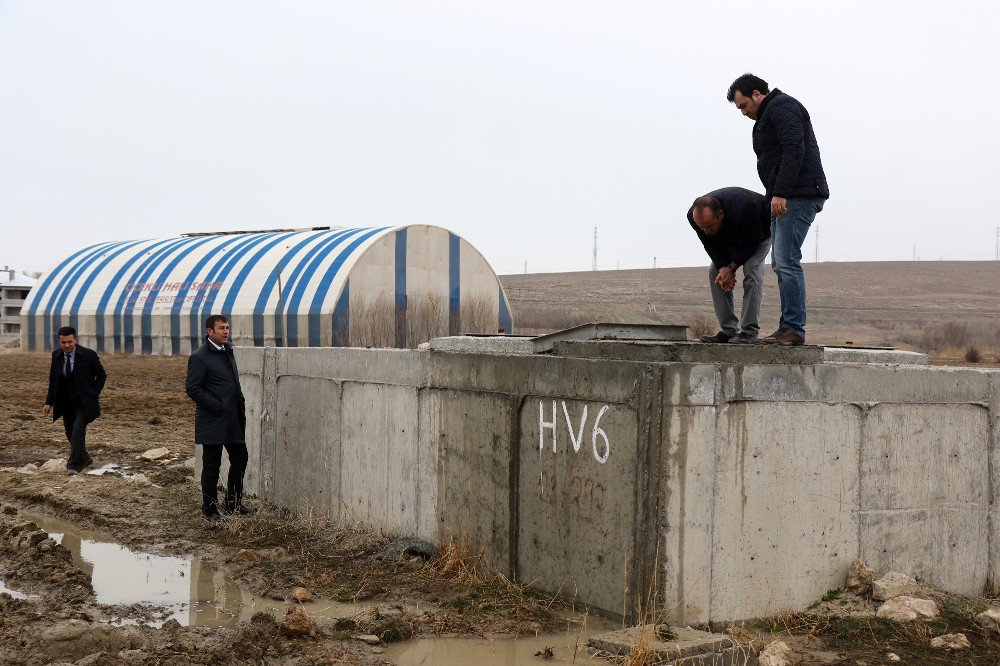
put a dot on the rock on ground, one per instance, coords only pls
(53, 465)
(989, 620)
(907, 609)
(892, 656)
(893, 584)
(951, 642)
(860, 577)
(155, 454)
(370, 639)
(776, 654)
(302, 595)
(30, 468)
(298, 623)
(405, 547)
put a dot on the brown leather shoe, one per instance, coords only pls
(785, 337)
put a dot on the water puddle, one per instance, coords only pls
(15, 594)
(112, 468)
(566, 648)
(188, 590)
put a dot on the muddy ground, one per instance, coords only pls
(152, 507)
(269, 554)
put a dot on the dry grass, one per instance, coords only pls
(702, 324)
(373, 319)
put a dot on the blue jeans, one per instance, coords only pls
(788, 232)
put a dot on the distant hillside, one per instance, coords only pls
(924, 304)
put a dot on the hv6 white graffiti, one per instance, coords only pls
(601, 449)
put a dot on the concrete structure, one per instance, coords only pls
(733, 488)
(14, 288)
(381, 287)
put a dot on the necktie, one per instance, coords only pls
(66, 368)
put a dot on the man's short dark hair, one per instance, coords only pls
(746, 84)
(214, 319)
(706, 201)
(66, 330)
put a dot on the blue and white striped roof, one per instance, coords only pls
(195, 276)
(284, 287)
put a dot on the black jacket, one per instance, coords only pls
(788, 161)
(744, 226)
(88, 381)
(213, 382)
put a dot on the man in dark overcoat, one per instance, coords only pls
(213, 382)
(76, 379)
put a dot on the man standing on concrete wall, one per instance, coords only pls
(731, 225)
(789, 166)
(213, 382)
(76, 379)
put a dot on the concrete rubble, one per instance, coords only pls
(893, 584)
(989, 620)
(776, 653)
(860, 577)
(908, 609)
(686, 647)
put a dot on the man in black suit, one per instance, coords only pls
(213, 382)
(76, 379)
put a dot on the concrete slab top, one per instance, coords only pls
(873, 356)
(690, 352)
(685, 643)
(494, 345)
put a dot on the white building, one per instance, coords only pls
(14, 288)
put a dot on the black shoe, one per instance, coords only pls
(85, 464)
(745, 339)
(718, 337)
(241, 510)
(212, 517)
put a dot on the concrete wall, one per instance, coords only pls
(723, 490)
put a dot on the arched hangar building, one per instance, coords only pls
(380, 287)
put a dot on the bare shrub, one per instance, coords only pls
(930, 339)
(373, 321)
(972, 355)
(702, 324)
(955, 335)
(478, 314)
(426, 318)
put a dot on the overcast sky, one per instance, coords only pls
(518, 125)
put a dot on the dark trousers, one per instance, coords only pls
(75, 424)
(211, 457)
